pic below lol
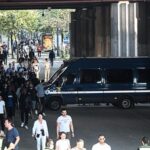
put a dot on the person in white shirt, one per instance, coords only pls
(63, 143)
(47, 69)
(36, 68)
(65, 124)
(2, 112)
(40, 132)
(79, 145)
(101, 145)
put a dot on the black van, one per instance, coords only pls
(119, 81)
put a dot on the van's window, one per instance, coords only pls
(143, 75)
(119, 76)
(90, 76)
(70, 78)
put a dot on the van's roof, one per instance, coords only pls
(111, 62)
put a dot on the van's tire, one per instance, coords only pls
(55, 104)
(126, 102)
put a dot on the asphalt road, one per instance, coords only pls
(122, 128)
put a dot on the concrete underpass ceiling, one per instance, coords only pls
(54, 4)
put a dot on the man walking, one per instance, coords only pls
(101, 145)
(41, 96)
(65, 124)
(51, 56)
(12, 135)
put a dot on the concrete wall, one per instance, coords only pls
(102, 31)
(144, 29)
(111, 30)
(123, 34)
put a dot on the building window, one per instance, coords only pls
(70, 79)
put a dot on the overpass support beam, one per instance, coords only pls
(102, 31)
(82, 33)
(124, 29)
(111, 30)
(144, 29)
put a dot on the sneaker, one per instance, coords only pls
(26, 127)
(22, 124)
(44, 114)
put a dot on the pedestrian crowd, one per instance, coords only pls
(64, 134)
(26, 57)
(23, 90)
(20, 88)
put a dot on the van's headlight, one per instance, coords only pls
(47, 92)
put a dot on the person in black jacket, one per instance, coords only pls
(25, 104)
(31, 54)
(51, 56)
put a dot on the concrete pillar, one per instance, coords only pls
(114, 30)
(83, 33)
(117, 29)
(144, 29)
(90, 39)
(107, 34)
(82, 28)
(80, 34)
(102, 30)
(132, 35)
(124, 29)
(148, 28)
(98, 39)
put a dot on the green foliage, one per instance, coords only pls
(14, 21)
(33, 21)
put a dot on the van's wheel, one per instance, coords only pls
(127, 102)
(55, 104)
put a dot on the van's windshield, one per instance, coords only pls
(57, 74)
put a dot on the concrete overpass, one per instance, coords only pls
(101, 27)
(43, 4)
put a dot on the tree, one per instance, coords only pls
(15, 22)
(54, 18)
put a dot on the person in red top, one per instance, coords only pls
(39, 50)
